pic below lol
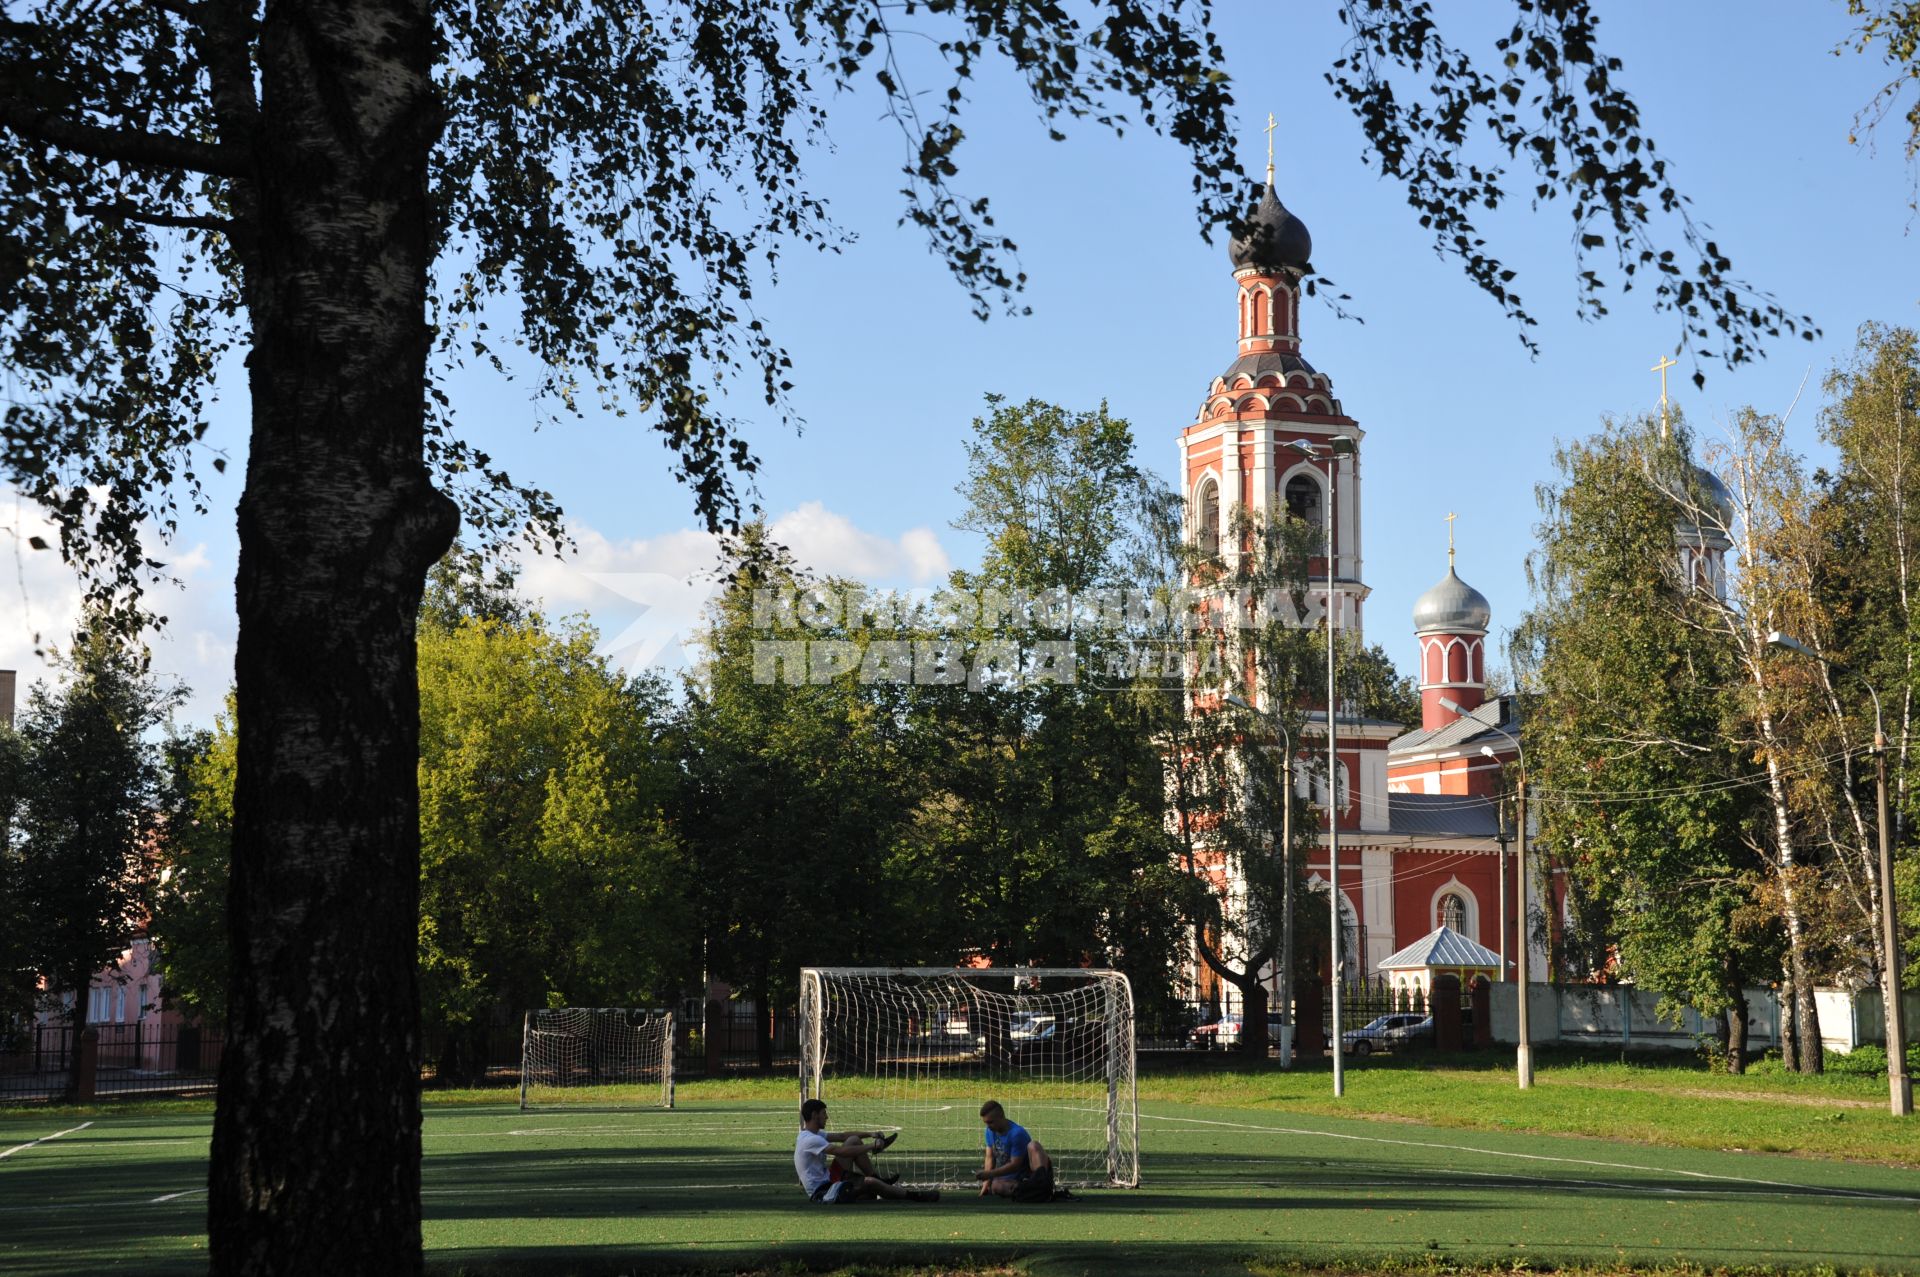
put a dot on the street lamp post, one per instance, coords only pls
(1500, 837)
(1285, 982)
(1899, 1085)
(1523, 1054)
(1335, 448)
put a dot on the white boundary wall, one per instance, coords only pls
(1622, 1014)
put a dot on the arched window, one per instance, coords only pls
(1207, 518)
(1303, 500)
(1349, 926)
(1320, 787)
(1453, 912)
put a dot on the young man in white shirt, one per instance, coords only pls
(837, 1166)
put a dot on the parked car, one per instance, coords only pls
(1032, 1026)
(956, 1030)
(1224, 1034)
(1206, 1037)
(1386, 1032)
(1032, 1033)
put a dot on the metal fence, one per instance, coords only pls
(725, 1037)
(40, 1062)
(47, 1062)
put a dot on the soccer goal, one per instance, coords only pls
(921, 1049)
(605, 1055)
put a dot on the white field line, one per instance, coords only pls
(167, 1197)
(44, 1138)
(577, 1190)
(1538, 1157)
(733, 1128)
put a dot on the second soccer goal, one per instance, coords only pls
(921, 1049)
(597, 1055)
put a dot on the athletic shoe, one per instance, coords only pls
(886, 1142)
(924, 1195)
(891, 1177)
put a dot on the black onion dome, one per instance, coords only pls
(1273, 238)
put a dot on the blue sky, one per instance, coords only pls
(1747, 101)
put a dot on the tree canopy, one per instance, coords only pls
(353, 195)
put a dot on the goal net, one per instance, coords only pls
(605, 1055)
(922, 1049)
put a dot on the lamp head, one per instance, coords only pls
(1791, 644)
(1453, 706)
(1237, 701)
(1338, 446)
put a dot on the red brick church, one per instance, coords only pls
(1420, 834)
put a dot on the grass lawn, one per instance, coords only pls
(1663, 1099)
(1602, 1166)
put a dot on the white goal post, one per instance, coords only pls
(922, 1048)
(570, 1054)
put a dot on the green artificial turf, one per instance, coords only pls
(1256, 1186)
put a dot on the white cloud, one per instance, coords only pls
(39, 594)
(40, 600)
(646, 595)
(829, 543)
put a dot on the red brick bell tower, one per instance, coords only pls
(1238, 452)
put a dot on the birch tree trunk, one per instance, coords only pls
(1785, 863)
(316, 1146)
(1768, 492)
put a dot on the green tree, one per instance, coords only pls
(793, 793)
(1892, 28)
(1868, 592)
(548, 874)
(18, 979)
(351, 193)
(1046, 836)
(92, 787)
(1628, 735)
(1258, 630)
(195, 849)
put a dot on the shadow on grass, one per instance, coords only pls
(1214, 1258)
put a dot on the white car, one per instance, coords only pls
(1397, 1029)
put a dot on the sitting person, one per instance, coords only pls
(1015, 1165)
(837, 1166)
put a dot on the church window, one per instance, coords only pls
(1345, 790)
(1207, 518)
(1453, 912)
(1303, 499)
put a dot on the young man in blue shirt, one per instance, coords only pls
(1015, 1164)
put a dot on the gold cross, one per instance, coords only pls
(1661, 368)
(1271, 126)
(1450, 519)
